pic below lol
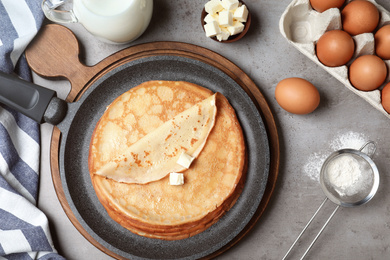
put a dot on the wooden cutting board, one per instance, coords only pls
(55, 53)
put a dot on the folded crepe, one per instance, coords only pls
(157, 154)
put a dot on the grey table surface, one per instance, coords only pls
(342, 120)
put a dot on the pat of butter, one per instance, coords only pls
(210, 18)
(229, 4)
(212, 29)
(225, 18)
(213, 6)
(224, 35)
(185, 160)
(236, 28)
(241, 14)
(176, 178)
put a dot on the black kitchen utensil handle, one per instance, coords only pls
(36, 102)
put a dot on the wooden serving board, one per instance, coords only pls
(55, 53)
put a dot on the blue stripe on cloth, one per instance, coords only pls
(25, 256)
(7, 36)
(22, 172)
(25, 123)
(5, 185)
(18, 256)
(10, 222)
(37, 239)
(22, 69)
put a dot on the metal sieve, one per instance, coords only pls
(351, 193)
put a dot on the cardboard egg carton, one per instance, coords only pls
(302, 26)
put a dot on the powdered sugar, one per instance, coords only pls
(350, 140)
(349, 175)
(313, 166)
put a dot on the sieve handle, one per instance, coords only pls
(307, 225)
(319, 233)
(370, 152)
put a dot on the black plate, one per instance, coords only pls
(77, 130)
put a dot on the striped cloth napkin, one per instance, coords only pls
(24, 229)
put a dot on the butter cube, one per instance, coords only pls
(236, 28)
(210, 18)
(229, 4)
(212, 29)
(176, 178)
(213, 6)
(241, 13)
(224, 35)
(225, 18)
(185, 160)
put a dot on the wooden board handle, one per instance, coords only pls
(54, 52)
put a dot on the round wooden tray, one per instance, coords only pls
(60, 50)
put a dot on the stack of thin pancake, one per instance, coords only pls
(148, 205)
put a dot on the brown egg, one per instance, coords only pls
(368, 72)
(386, 97)
(335, 48)
(382, 42)
(359, 16)
(323, 5)
(297, 95)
